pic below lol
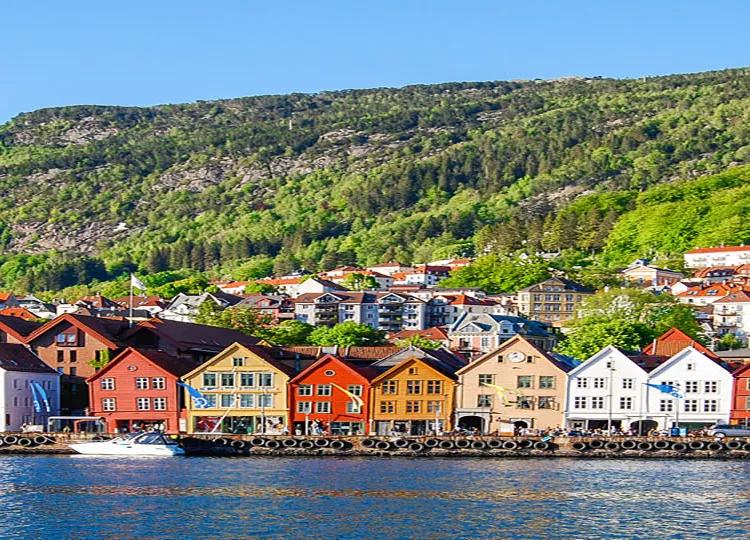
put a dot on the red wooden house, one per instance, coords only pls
(316, 397)
(741, 396)
(138, 389)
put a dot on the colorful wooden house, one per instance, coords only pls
(138, 389)
(244, 390)
(333, 396)
(740, 413)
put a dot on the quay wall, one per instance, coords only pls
(489, 447)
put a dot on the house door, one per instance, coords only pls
(471, 423)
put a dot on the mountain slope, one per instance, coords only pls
(337, 177)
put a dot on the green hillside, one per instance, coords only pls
(585, 165)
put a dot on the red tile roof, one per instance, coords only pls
(435, 333)
(21, 313)
(720, 249)
(673, 341)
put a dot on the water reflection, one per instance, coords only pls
(54, 497)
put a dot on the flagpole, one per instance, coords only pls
(130, 320)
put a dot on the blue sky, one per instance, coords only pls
(161, 51)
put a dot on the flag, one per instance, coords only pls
(503, 392)
(137, 283)
(355, 398)
(199, 400)
(667, 389)
(42, 394)
(35, 398)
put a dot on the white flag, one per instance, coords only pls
(137, 283)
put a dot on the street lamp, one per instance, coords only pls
(611, 366)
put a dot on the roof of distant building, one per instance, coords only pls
(720, 249)
(16, 357)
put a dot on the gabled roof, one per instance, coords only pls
(673, 341)
(679, 356)
(606, 351)
(488, 322)
(97, 301)
(258, 351)
(440, 359)
(309, 298)
(563, 363)
(169, 364)
(106, 330)
(720, 249)
(141, 301)
(711, 270)
(735, 297)
(5, 296)
(18, 327)
(430, 362)
(365, 372)
(435, 333)
(16, 357)
(193, 336)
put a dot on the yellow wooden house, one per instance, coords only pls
(244, 391)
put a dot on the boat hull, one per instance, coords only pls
(106, 448)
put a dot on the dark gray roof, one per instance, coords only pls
(16, 357)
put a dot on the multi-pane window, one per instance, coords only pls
(747, 403)
(227, 380)
(227, 400)
(628, 384)
(710, 405)
(484, 400)
(109, 404)
(582, 382)
(247, 380)
(355, 389)
(579, 402)
(304, 407)
(691, 405)
(599, 382)
(265, 400)
(265, 380)
(387, 407)
(390, 387)
(524, 381)
(486, 378)
(626, 403)
(158, 383)
(597, 402)
(305, 390)
(247, 401)
(413, 371)
(210, 401)
(434, 387)
(547, 381)
(143, 404)
(141, 383)
(691, 387)
(353, 408)
(323, 407)
(209, 380)
(238, 362)
(413, 406)
(160, 404)
(665, 405)
(547, 402)
(434, 406)
(525, 402)
(711, 387)
(107, 384)
(413, 387)
(324, 389)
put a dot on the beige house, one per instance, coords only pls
(517, 385)
(553, 300)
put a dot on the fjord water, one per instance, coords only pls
(92, 497)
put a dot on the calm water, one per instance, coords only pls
(92, 497)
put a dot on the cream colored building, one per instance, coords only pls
(517, 384)
(245, 391)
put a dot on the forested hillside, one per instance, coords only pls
(423, 172)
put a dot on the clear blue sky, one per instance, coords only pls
(132, 52)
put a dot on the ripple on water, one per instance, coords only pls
(87, 497)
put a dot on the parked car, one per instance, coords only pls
(725, 430)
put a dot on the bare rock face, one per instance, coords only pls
(39, 237)
(195, 180)
(61, 133)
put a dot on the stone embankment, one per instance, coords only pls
(498, 447)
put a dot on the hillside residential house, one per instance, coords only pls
(389, 268)
(245, 391)
(706, 294)
(184, 307)
(138, 390)
(608, 390)
(8, 299)
(715, 274)
(531, 394)
(413, 397)
(153, 305)
(318, 395)
(284, 285)
(18, 368)
(706, 384)
(40, 309)
(740, 413)
(421, 274)
(645, 275)
(275, 306)
(553, 300)
(673, 341)
(477, 333)
(436, 333)
(732, 315)
(717, 256)
(446, 309)
(339, 276)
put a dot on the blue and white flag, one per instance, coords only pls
(35, 398)
(668, 389)
(42, 394)
(199, 400)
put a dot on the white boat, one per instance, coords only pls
(138, 444)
